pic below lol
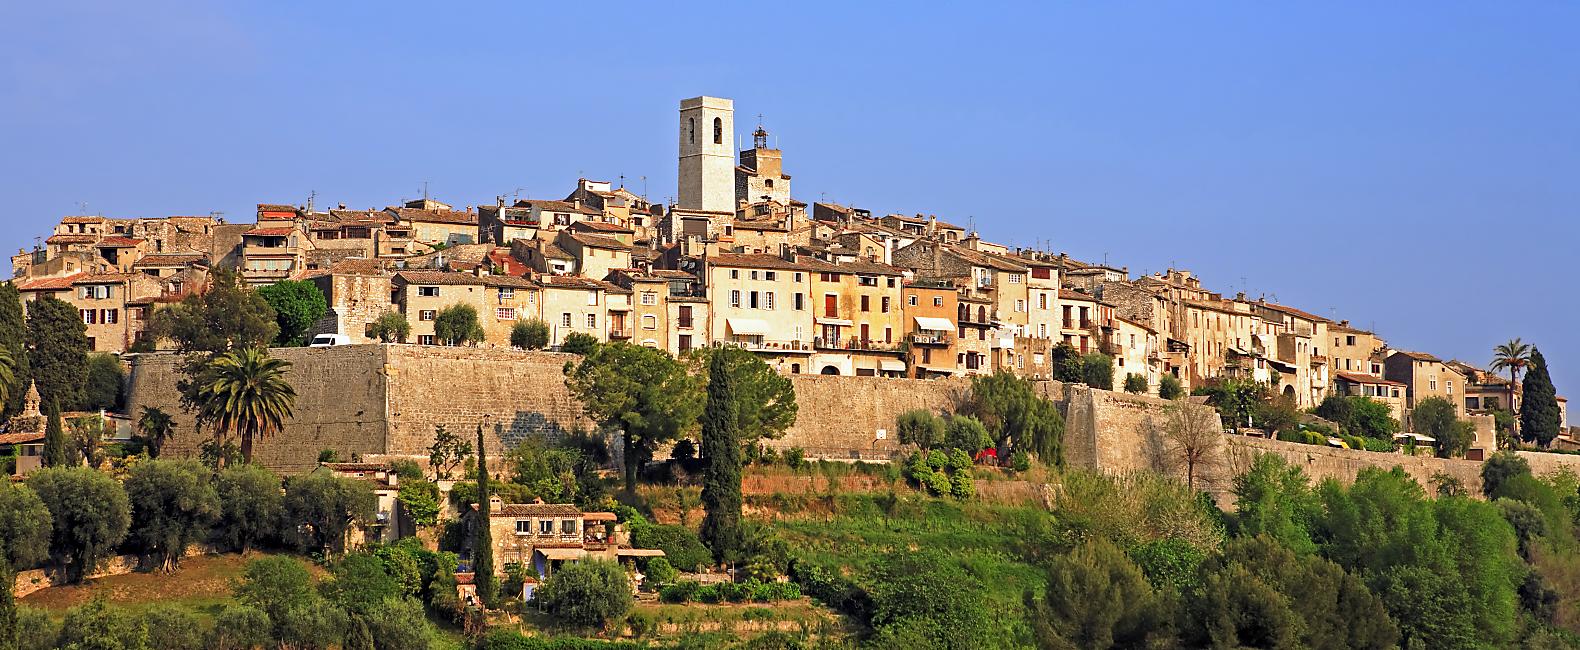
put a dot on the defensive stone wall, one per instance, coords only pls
(387, 399)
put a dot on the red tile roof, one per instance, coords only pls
(269, 232)
(71, 239)
(48, 284)
(119, 242)
(1360, 378)
(436, 216)
(537, 510)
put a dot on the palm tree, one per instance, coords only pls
(156, 427)
(245, 392)
(1513, 357)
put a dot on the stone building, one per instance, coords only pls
(762, 303)
(931, 307)
(760, 177)
(573, 304)
(358, 293)
(1424, 376)
(707, 155)
(859, 319)
(500, 301)
(107, 303)
(546, 536)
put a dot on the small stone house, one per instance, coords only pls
(545, 536)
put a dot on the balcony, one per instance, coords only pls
(931, 338)
(619, 332)
(762, 345)
(853, 344)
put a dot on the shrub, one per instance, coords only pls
(1170, 388)
(920, 427)
(938, 484)
(1020, 461)
(961, 486)
(680, 544)
(529, 335)
(679, 592)
(661, 572)
(589, 593)
(795, 457)
(1135, 384)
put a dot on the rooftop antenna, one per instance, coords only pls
(217, 215)
(644, 188)
(622, 181)
(83, 205)
(518, 193)
(313, 194)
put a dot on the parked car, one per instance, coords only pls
(329, 340)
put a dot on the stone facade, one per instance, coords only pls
(707, 155)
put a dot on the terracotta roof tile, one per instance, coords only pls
(598, 241)
(537, 510)
(71, 239)
(269, 232)
(170, 259)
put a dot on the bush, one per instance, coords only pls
(1135, 384)
(679, 592)
(1020, 461)
(961, 486)
(795, 457)
(938, 484)
(921, 428)
(680, 544)
(661, 572)
(530, 335)
(966, 433)
(1170, 388)
(589, 593)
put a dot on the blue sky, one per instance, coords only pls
(1408, 166)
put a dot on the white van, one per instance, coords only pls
(329, 340)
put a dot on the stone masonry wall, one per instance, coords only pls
(339, 404)
(839, 417)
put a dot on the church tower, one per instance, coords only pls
(707, 155)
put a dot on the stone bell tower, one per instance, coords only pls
(707, 155)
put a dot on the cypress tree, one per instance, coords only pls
(59, 350)
(1539, 417)
(13, 338)
(721, 480)
(483, 537)
(57, 448)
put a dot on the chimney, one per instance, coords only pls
(495, 504)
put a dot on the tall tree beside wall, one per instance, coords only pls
(1539, 416)
(13, 338)
(57, 447)
(483, 537)
(298, 306)
(642, 392)
(721, 449)
(58, 341)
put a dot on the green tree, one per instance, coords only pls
(1337, 409)
(530, 334)
(390, 327)
(103, 388)
(1437, 417)
(25, 528)
(642, 392)
(1274, 499)
(239, 627)
(482, 536)
(589, 593)
(920, 427)
(447, 452)
(58, 450)
(399, 624)
(1513, 356)
(173, 505)
(245, 392)
(8, 378)
(1169, 388)
(1066, 364)
(1540, 420)
(457, 325)
(84, 433)
(420, 500)
(250, 505)
(1372, 418)
(579, 343)
(229, 315)
(1500, 469)
(966, 434)
(1016, 415)
(1193, 435)
(90, 513)
(58, 351)
(320, 508)
(13, 339)
(1097, 370)
(359, 584)
(765, 399)
(721, 449)
(1135, 384)
(1097, 598)
(298, 306)
(931, 599)
(156, 428)
(1235, 400)
(97, 625)
(275, 585)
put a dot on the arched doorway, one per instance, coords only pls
(1289, 391)
(829, 370)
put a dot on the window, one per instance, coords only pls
(506, 293)
(691, 124)
(90, 316)
(831, 305)
(592, 297)
(649, 322)
(546, 527)
(768, 183)
(718, 131)
(1349, 340)
(683, 342)
(800, 301)
(911, 301)
(568, 527)
(426, 314)
(891, 283)
(867, 280)
(684, 317)
(797, 277)
(505, 313)
(1432, 383)
(1042, 301)
(768, 300)
(770, 276)
(1014, 278)
(424, 339)
(938, 301)
(428, 292)
(1020, 305)
(888, 334)
(885, 306)
(649, 297)
(753, 275)
(592, 321)
(565, 319)
(735, 274)
(523, 526)
(866, 303)
(751, 299)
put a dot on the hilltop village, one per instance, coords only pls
(737, 260)
(736, 422)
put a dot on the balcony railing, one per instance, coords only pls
(619, 332)
(769, 346)
(853, 344)
(925, 338)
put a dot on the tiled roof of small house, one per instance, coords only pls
(536, 510)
